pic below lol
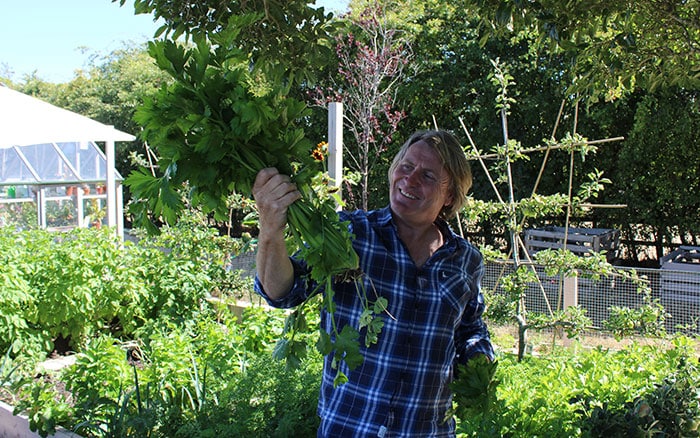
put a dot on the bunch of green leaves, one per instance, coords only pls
(342, 345)
(221, 121)
(474, 392)
(215, 127)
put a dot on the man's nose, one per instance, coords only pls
(413, 178)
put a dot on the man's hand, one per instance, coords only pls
(273, 194)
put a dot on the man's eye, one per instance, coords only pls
(430, 177)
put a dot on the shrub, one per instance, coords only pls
(267, 400)
(85, 282)
(596, 392)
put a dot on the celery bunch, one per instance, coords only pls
(215, 127)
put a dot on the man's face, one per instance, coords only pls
(419, 186)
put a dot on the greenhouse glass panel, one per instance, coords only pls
(13, 169)
(20, 214)
(61, 213)
(86, 158)
(48, 163)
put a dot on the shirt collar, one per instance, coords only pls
(385, 218)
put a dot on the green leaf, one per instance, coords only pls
(281, 350)
(347, 347)
(380, 305)
(340, 379)
(324, 344)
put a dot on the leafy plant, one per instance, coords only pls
(176, 379)
(671, 407)
(474, 389)
(44, 408)
(17, 303)
(596, 392)
(267, 400)
(216, 126)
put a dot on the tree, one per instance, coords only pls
(371, 61)
(614, 45)
(276, 30)
(659, 175)
(109, 91)
(449, 81)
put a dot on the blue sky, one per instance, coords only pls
(56, 37)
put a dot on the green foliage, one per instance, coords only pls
(215, 127)
(44, 409)
(576, 394)
(660, 178)
(670, 408)
(78, 284)
(203, 377)
(267, 400)
(474, 389)
(210, 374)
(101, 370)
(16, 301)
(293, 31)
(613, 45)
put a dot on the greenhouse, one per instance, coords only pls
(52, 173)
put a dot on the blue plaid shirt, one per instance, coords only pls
(402, 387)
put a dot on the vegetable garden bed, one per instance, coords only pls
(17, 426)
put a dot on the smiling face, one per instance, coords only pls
(419, 186)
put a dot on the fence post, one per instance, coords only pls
(570, 299)
(570, 291)
(335, 144)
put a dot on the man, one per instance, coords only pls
(429, 275)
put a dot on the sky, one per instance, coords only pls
(54, 38)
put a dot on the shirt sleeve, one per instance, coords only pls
(472, 337)
(300, 291)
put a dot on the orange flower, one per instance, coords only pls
(320, 152)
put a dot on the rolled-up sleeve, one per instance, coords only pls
(300, 291)
(472, 337)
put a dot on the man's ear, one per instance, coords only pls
(450, 199)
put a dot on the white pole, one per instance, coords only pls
(335, 144)
(111, 186)
(120, 211)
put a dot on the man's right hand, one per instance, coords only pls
(273, 193)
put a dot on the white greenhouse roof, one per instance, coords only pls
(26, 120)
(43, 144)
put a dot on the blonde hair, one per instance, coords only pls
(454, 161)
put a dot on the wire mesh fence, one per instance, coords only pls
(679, 297)
(677, 291)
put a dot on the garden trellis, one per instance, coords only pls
(565, 313)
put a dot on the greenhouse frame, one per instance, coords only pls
(53, 174)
